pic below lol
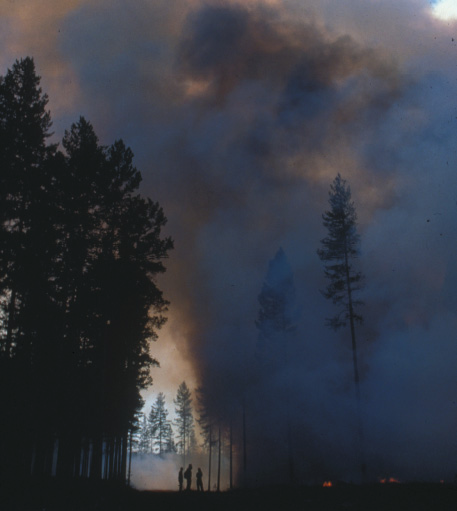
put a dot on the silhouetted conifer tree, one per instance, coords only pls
(276, 323)
(79, 253)
(144, 436)
(160, 427)
(277, 313)
(184, 420)
(208, 428)
(114, 233)
(27, 285)
(340, 249)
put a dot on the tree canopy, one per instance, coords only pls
(80, 250)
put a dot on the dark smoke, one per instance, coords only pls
(240, 118)
(285, 108)
(283, 103)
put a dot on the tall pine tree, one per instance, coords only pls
(160, 427)
(339, 252)
(184, 420)
(80, 250)
(28, 248)
(276, 323)
(340, 249)
(277, 312)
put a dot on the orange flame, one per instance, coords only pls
(327, 484)
(389, 480)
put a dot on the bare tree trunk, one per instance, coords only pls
(110, 461)
(9, 328)
(363, 467)
(130, 459)
(96, 461)
(244, 438)
(290, 454)
(209, 463)
(85, 460)
(231, 455)
(219, 463)
(124, 457)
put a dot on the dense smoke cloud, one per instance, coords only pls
(240, 115)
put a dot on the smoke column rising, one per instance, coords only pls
(240, 115)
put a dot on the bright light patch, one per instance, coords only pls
(445, 9)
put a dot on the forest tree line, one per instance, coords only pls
(157, 434)
(258, 414)
(160, 436)
(80, 250)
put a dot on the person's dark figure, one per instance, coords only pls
(188, 476)
(180, 478)
(199, 479)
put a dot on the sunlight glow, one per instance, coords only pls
(445, 9)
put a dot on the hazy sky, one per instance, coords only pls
(240, 114)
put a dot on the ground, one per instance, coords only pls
(375, 497)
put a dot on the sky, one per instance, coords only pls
(240, 114)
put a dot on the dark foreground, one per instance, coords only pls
(375, 497)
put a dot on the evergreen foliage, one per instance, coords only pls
(162, 440)
(340, 249)
(184, 420)
(276, 323)
(208, 427)
(278, 311)
(79, 253)
(339, 252)
(144, 436)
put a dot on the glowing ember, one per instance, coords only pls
(327, 484)
(389, 480)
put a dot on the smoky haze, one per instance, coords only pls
(240, 116)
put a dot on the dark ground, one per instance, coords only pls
(86, 497)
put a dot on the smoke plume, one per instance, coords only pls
(240, 114)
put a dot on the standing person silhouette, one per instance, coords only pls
(199, 479)
(180, 478)
(188, 476)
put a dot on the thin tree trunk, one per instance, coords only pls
(130, 459)
(85, 460)
(244, 439)
(231, 456)
(290, 456)
(9, 328)
(96, 461)
(209, 463)
(124, 458)
(361, 435)
(110, 460)
(219, 463)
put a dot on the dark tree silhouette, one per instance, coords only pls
(277, 313)
(160, 427)
(114, 233)
(276, 322)
(339, 252)
(27, 250)
(144, 436)
(79, 253)
(184, 420)
(208, 428)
